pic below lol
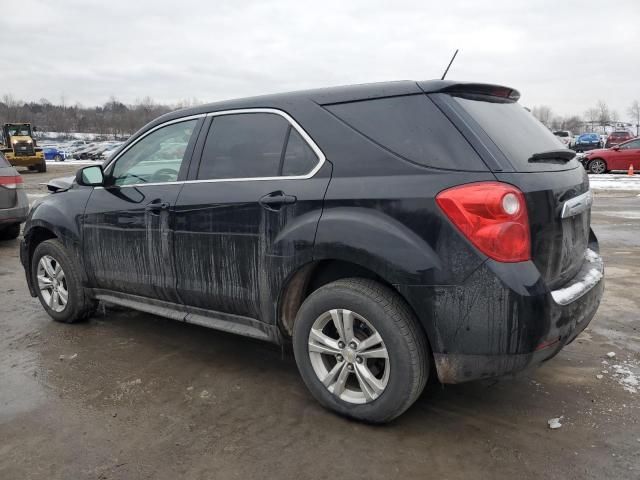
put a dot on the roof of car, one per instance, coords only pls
(347, 93)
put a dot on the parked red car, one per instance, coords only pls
(615, 158)
(616, 138)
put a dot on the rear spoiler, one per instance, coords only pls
(464, 88)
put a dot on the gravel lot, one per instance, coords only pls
(129, 395)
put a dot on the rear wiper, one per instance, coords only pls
(562, 155)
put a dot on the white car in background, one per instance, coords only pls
(565, 137)
(110, 151)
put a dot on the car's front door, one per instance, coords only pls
(126, 232)
(628, 154)
(251, 214)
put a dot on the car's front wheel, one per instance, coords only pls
(360, 350)
(58, 158)
(597, 166)
(58, 283)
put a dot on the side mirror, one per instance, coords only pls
(616, 147)
(91, 176)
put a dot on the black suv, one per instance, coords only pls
(393, 232)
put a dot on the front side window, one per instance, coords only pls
(244, 145)
(156, 158)
(635, 144)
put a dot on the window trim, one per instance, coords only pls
(305, 136)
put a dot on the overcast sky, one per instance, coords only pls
(566, 54)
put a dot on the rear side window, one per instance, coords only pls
(244, 145)
(413, 128)
(514, 130)
(299, 158)
(3, 161)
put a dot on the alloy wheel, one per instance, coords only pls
(349, 356)
(52, 283)
(597, 166)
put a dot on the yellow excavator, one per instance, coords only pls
(19, 147)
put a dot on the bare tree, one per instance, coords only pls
(604, 115)
(615, 118)
(591, 116)
(544, 114)
(114, 118)
(634, 113)
(572, 123)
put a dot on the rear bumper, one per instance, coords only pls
(499, 324)
(17, 213)
(586, 147)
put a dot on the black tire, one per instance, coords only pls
(597, 166)
(406, 344)
(10, 232)
(58, 158)
(42, 166)
(79, 305)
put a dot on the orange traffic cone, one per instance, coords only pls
(630, 172)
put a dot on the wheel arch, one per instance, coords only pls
(35, 236)
(311, 276)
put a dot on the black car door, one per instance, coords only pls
(250, 213)
(126, 232)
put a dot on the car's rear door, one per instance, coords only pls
(126, 232)
(249, 215)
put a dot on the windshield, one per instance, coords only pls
(515, 131)
(15, 130)
(561, 134)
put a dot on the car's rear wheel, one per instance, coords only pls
(597, 166)
(58, 282)
(360, 350)
(10, 232)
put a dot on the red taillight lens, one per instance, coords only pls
(492, 216)
(11, 182)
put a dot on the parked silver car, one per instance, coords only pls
(14, 205)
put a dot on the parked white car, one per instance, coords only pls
(565, 137)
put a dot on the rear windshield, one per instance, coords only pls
(561, 134)
(515, 131)
(589, 136)
(413, 128)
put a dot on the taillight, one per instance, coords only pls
(11, 182)
(492, 216)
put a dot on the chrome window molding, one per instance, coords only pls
(286, 116)
(157, 127)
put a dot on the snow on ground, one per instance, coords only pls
(626, 373)
(74, 162)
(612, 181)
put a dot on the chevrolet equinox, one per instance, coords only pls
(391, 232)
